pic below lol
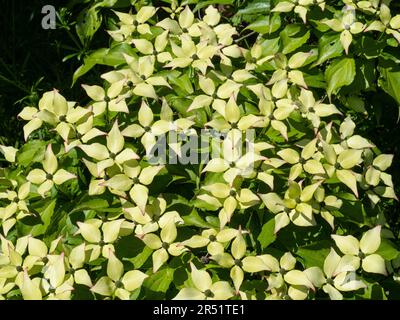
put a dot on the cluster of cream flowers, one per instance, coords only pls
(188, 74)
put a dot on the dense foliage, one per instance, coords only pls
(298, 210)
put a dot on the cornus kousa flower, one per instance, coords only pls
(231, 82)
(140, 76)
(133, 23)
(349, 140)
(255, 57)
(147, 129)
(326, 205)
(286, 70)
(230, 197)
(332, 279)
(340, 165)
(363, 251)
(213, 239)
(106, 100)
(54, 110)
(190, 54)
(231, 161)
(315, 110)
(81, 131)
(163, 245)
(210, 97)
(113, 153)
(204, 288)
(135, 180)
(370, 7)
(301, 7)
(231, 117)
(156, 50)
(283, 272)
(303, 161)
(238, 262)
(347, 26)
(99, 236)
(186, 23)
(116, 283)
(174, 9)
(17, 209)
(295, 206)
(152, 218)
(375, 175)
(387, 23)
(50, 175)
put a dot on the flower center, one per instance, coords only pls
(135, 180)
(208, 293)
(165, 245)
(238, 263)
(338, 166)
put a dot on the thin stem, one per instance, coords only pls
(246, 36)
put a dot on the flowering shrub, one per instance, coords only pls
(121, 198)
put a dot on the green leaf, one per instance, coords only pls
(194, 219)
(88, 63)
(159, 281)
(99, 203)
(46, 212)
(182, 81)
(110, 57)
(115, 56)
(32, 151)
(139, 260)
(267, 235)
(87, 24)
(339, 74)
(267, 24)
(293, 37)
(203, 4)
(373, 292)
(329, 47)
(256, 7)
(270, 46)
(387, 250)
(314, 255)
(390, 80)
